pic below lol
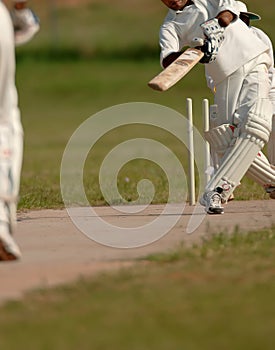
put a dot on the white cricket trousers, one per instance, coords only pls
(11, 132)
(237, 94)
(239, 97)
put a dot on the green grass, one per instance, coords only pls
(69, 97)
(85, 59)
(59, 96)
(219, 294)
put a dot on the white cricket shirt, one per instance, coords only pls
(239, 46)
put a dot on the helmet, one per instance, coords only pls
(243, 9)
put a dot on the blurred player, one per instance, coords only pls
(238, 63)
(19, 26)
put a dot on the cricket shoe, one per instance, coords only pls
(271, 191)
(212, 201)
(9, 250)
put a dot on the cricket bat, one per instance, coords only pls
(176, 70)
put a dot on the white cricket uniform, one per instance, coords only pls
(180, 27)
(240, 74)
(271, 72)
(260, 171)
(271, 143)
(11, 133)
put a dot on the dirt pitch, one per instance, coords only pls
(55, 252)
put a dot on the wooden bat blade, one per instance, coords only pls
(176, 70)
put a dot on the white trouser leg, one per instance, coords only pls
(236, 95)
(11, 147)
(11, 134)
(226, 97)
(10, 139)
(271, 143)
(243, 101)
(239, 157)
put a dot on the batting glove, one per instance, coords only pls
(214, 34)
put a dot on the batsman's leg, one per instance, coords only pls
(221, 138)
(10, 170)
(11, 136)
(254, 133)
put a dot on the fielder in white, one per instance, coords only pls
(238, 62)
(19, 24)
(220, 137)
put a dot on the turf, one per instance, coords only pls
(85, 59)
(219, 294)
(216, 295)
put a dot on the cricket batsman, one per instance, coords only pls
(238, 62)
(220, 137)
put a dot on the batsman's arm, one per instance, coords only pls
(170, 58)
(176, 70)
(225, 18)
(228, 11)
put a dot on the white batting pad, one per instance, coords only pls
(220, 138)
(261, 171)
(259, 120)
(234, 165)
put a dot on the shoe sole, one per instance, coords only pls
(214, 211)
(5, 255)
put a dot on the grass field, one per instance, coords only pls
(85, 59)
(219, 295)
(216, 296)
